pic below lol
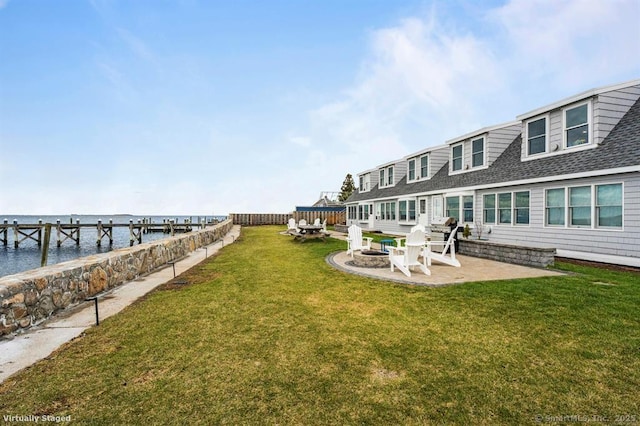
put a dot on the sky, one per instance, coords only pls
(210, 107)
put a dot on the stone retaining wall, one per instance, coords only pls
(528, 256)
(28, 298)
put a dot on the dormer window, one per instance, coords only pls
(424, 166)
(477, 152)
(537, 136)
(386, 177)
(576, 125)
(365, 182)
(418, 168)
(456, 158)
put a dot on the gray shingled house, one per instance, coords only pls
(566, 175)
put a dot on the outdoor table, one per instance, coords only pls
(310, 231)
(384, 243)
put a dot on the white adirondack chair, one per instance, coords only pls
(291, 226)
(399, 240)
(324, 226)
(302, 222)
(408, 256)
(448, 246)
(355, 241)
(316, 222)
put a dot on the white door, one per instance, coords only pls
(422, 211)
(372, 217)
(438, 207)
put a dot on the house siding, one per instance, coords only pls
(499, 139)
(609, 108)
(624, 242)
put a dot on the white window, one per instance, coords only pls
(554, 210)
(504, 208)
(411, 173)
(424, 166)
(537, 136)
(386, 177)
(407, 210)
(365, 181)
(609, 206)
(521, 208)
(387, 210)
(489, 208)
(477, 152)
(459, 207)
(364, 212)
(456, 157)
(353, 212)
(588, 206)
(576, 125)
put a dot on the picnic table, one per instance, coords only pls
(310, 232)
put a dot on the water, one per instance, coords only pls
(28, 255)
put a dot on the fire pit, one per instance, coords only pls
(371, 259)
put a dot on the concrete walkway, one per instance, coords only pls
(40, 341)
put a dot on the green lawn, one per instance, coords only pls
(268, 333)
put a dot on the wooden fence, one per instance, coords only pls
(251, 219)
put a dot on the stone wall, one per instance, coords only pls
(528, 256)
(28, 298)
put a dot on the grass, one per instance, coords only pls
(267, 333)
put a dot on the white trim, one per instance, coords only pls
(484, 152)
(479, 132)
(576, 98)
(451, 171)
(589, 141)
(527, 156)
(426, 151)
(596, 173)
(596, 257)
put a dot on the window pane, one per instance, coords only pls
(580, 196)
(610, 216)
(504, 200)
(457, 157)
(393, 211)
(537, 128)
(477, 152)
(580, 216)
(403, 210)
(381, 180)
(423, 206)
(555, 216)
(576, 116)
(522, 216)
(412, 210)
(490, 201)
(522, 199)
(578, 136)
(555, 197)
(424, 168)
(537, 145)
(609, 195)
(477, 159)
(453, 207)
(390, 175)
(412, 169)
(609, 205)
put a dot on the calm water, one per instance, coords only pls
(28, 255)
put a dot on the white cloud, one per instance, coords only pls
(427, 79)
(135, 44)
(3, 3)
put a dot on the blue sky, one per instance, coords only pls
(211, 107)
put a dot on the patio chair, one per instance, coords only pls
(408, 256)
(302, 222)
(316, 222)
(291, 226)
(442, 257)
(399, 240)
(355, 241)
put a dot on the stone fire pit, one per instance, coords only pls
(371, 259)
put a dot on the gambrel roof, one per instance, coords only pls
(619, 150)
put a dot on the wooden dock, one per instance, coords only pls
(71, 231)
